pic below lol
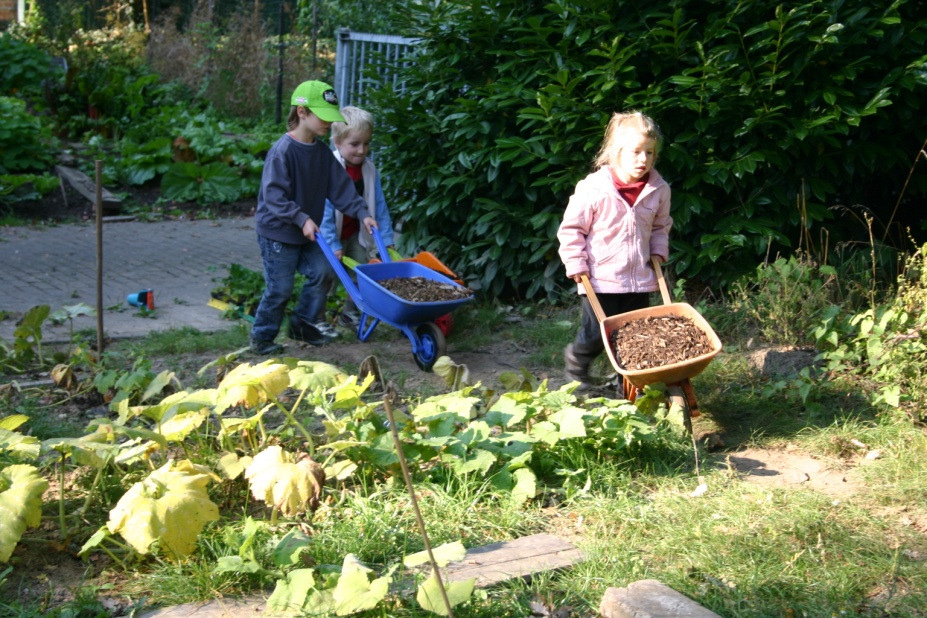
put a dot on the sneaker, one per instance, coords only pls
(349, 319)
(326, 329)
(312, 334)
(265, 347)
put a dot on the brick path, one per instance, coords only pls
(182, 261)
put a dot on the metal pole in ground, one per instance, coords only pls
(418, 513)
(279, 64)
(98, 207)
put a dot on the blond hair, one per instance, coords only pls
(616, 135)
(356, 120)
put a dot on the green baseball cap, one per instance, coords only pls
(320, 98)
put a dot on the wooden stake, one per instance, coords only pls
(98, 165)
(418, 513)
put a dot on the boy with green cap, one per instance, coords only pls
(300, 173)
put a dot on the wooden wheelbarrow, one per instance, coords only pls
(676, 376)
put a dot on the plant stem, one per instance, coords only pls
(296, 423)
(93, 486)
(62, 522)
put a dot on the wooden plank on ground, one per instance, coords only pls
(498, 562)
(86, 187)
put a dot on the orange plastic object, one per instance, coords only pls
(668, 374)
(425, 258)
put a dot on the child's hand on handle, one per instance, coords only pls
(369, 223)
(310, 229)
(339, 254)
(578, 277)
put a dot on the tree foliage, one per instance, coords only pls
(772, 113)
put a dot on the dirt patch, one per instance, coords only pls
(792, 469)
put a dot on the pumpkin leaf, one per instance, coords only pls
(430, 598)
(21, 489)
(170, 506)
(355, 591)
(292, 484)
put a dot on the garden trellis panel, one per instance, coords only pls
(366, 61)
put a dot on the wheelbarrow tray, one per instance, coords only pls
(668, 374)
(381, 303)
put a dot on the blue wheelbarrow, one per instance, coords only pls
(376, 303)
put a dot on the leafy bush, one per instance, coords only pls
(108, 85)
(784, 301)
(888, 342)
(204, 184)
(23, 187)
(23, 68)
(505, 106)
(26, 143)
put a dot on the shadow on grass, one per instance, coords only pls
(740, 403)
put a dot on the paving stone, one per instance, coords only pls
(649, 598)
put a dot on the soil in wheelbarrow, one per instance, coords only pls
(655, 341)
(422, 290)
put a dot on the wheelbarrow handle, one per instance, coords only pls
(664, 291)
(593, 299)
(381, 248)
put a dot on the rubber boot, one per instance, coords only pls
(577, 366)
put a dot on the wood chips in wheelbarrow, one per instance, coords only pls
(667, 360)
(422, 290)
(654, 341)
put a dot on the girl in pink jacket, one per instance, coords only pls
(617, 218)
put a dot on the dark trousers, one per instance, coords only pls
(588, 343)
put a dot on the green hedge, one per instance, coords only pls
(773, 115)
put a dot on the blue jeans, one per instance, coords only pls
(281, 263)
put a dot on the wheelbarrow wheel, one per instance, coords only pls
(432, 346)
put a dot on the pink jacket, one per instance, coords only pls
(604, 236)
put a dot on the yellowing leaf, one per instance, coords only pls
(340, 470)
(430, 598)
(181, 425)
(171, 506)
(21, 489)
(355, 591)
(10, 423)
(289, 485)
(251, 385)
(454, 375)
(290, 593)
(231, 465)
(313, 375)
(26, 446)
(347, 395)
(157, 384)
(525, 485)
(443, 554)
